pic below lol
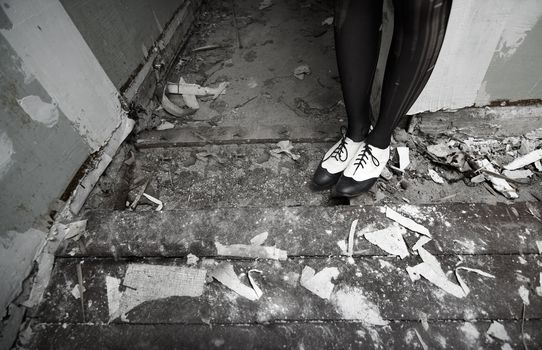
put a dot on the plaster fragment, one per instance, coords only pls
(319, 283)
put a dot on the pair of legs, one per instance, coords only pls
(355, 162)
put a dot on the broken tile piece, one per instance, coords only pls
(390, 240)
(406, 222)
(435, 176)
(438, 278)
(76, 291)
(225, 274)
(518, 174)
(259, 239)
(350, 248)
(497, 330)
(251, 251)
(421, 242)
(527, 159)
(319, 283)
(404, 159)
(191, 259)
(524, 294)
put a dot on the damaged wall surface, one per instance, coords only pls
(57, 106)
(120, 33)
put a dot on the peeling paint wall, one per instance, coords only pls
(57, 106)
(120, 33)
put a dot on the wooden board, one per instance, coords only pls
(457, 228)
(378, 284)
(399, 335)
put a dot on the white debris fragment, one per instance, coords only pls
(499, 184)
(527, 159)
(462, 283)
(265, 4)
(350, 248)
(225, 274)
(183, 88)
(538, 165)
(73, 230)
(319, 283)
(538, 290)
(524, 294)
(165, 126)
(328, 21)
(390, 240)
(191, 259)
(301, 71)
(113, 297)
(497, 330)
(518, 174)
(251, 251)
(76, 291)
(352, 304)
(286, 148)
(259, 239)
(435, 176)
(406, 222)
(159, 204)
(146, 282)
(404, 159)
(421, 242)
(422, 343)
(423, 320)
(539, 246)
(342, 245)
(257, 289)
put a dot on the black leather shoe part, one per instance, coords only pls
(348, 187)
(323, 179)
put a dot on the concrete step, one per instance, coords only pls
(398, 335)
(381, 285)
(457, 228)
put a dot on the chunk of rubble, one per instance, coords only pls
(225, 274)
(390, 240)
(406, 222)
(259, 239)
(328, 21)
(286, 148)
(251, 251)
(73, 230)
(518, 174)
(191, 259)
(301, 71)
(497, 330)
(527, 159)
(319, 283)
(498, 184)
(159, 204)
(524, 295)
(435, 176)
(404, 159)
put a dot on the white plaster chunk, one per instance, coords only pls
(538, 290)
(350, 248)
(225, 274)
(435, 176)
(497, 330)
(499, 184)
(404, 159)
(76, 292)
(524, 294)
(518, 174)
(42, 112)
(319, 283)
(259, 239)
(390, 240)
(353, 304)
(6, 153)
(406, 222)
(527, 159)
(421, 242)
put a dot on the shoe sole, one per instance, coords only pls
(365, 189)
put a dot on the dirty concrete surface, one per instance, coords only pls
(222, 186)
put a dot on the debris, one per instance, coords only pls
(441, 150)
(319, 283)
(183, 88)
(497, 330)
(351, 238)
(142, 190)
(424, 346)
(191, 259)
(251, 251)
(390, 240)
(527, 159)
(175, 110)
(538, 290)
(113, 297)
(225, 274)
(76, 292)
(156, 201)
(301, 71)
(478, 178)
(207, 47)
(539, 246)
(404, 159)
(81, 288)
(165, 126)
(538, 165)
(259, 239)
(257, 289)
(284, 147)
(499, 184)
(342, 245)
(535, 134)
(328, 21)
(423, 320)
(518, 174)
(507, 346)
(421, 242)
(352, 304)
(406, 222)
(462, 283)
(386, 174)
(435, 176)
(265, 4)
(145, 282)
(73, 230)
(524, 294)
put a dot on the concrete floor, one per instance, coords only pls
(220, 183)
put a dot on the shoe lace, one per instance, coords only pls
(363, 157)
(340, 153)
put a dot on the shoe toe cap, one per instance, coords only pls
(323, 178)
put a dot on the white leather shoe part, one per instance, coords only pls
(335, 161)
(362, 172)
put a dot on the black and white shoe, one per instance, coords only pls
(335, 161)
(361, 174)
